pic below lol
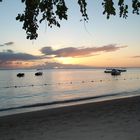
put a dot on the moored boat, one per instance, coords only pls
(115, 72)
(20, 75)
(107, 71)
(122, 70)
(38, 73)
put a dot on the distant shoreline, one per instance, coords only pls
(69, 68)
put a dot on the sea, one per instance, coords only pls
(63, 87)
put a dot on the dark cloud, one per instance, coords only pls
(79, 52)
(9, 55)
(7, 44)
(5, 62)
(10, 51)
(47, 50)
(9, 58)
(136, 56)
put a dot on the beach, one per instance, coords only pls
(117, 119)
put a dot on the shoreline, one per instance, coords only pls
(65, 103)
(76, 106)
(107, 120)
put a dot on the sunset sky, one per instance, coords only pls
(98, 43)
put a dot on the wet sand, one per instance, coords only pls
(108, 120)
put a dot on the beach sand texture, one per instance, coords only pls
(109, 120)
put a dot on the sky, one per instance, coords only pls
(98, 43)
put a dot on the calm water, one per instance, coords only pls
(57, 86)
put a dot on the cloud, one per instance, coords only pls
(5, 62)
(79, 52)
(136, 56)
(11, 59)
(7, 44)
(54, 65)
(9, 55)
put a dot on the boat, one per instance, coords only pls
(115, 72)
(107, 71)
(122, 70)
(20, 75)
(38, 73)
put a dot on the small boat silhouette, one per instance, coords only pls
(20, 75)
(115, 72)
(38, 73)
(107, 71)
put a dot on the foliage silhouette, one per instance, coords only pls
(53, 11)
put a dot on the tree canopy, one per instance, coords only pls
(53, 11)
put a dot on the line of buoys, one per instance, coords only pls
(68, 83)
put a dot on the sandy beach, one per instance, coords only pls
(109, 120)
